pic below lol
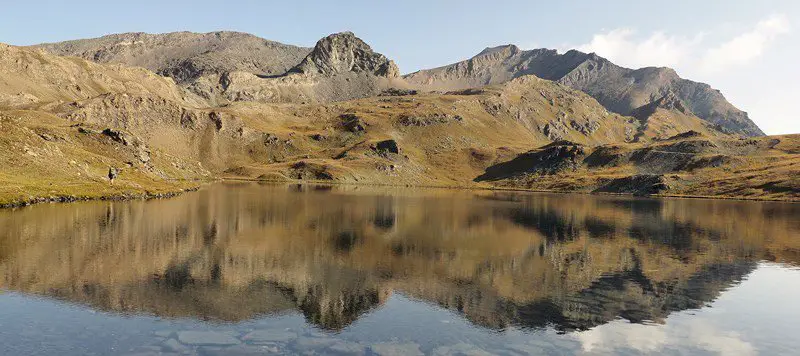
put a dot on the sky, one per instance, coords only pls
(749, 50)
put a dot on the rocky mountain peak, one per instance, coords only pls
(344, 52)
(504, 50)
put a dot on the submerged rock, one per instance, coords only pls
(207, 338)
(396, 349)
(269, 335)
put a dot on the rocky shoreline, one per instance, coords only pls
(171, 194)
(79, 198)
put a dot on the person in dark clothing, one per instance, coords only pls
(112, 174)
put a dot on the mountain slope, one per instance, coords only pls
(223, 67)
(186, 56)
(619, 89)
(133, 109)
(30, 78)
(525, 133)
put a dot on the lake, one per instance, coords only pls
(247, 269)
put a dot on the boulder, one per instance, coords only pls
(398, 92)
(353, 123)
(387, 146)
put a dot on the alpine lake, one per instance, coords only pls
(251, 269)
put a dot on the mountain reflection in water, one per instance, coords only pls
(233, 252)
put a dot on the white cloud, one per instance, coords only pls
(687, 54)
(683, 334)
(659, 49)
(747, 46)
(773, 109)
(722, 60)
(619, 334)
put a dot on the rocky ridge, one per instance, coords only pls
(224, 67)
(619, 89)
(186, 56)
(229, 66)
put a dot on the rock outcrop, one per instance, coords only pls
(641, 184)
(553, 158)
(343, 53)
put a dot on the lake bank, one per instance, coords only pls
(171, 190)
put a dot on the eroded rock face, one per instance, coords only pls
(344, 52)
(554, 130)
(669, 101)
(139, 149)
(640, 184)
(552, 158)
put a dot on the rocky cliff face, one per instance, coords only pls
(342, 53)
(619, 89)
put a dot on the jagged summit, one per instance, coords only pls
(344, 52)
(508, 49)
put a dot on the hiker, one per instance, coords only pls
(112, 174)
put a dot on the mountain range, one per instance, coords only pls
(619, 89)
(198, 59)
(172, 109)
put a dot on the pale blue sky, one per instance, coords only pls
(747, 49)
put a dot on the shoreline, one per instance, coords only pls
(174, 193)
(477, 188)
(113, 197)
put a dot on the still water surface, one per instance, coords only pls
(246, 269)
